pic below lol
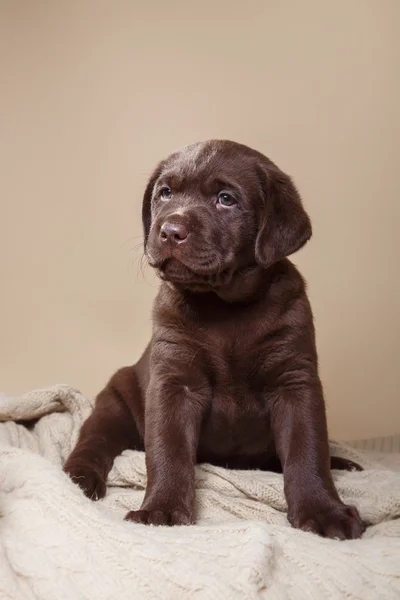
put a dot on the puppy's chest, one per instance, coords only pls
(234, 352)
(234, 359)
(237, 421)
(237, 380)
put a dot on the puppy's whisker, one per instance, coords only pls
(137, 247)
(131, 239)
(143, 264)
(141, 267)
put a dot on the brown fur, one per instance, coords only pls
(230, 375)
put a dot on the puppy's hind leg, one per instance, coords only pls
(110, 429)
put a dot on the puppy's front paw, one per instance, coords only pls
(160, 516)
(92, 484)
(334, 520)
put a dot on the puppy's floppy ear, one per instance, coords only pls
(284, 224)
(146, 202)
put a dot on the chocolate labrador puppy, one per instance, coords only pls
(230, 376)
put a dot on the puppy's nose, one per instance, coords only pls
(173, 232)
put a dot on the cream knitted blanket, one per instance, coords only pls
(55, 544)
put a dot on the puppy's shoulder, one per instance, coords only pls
(287, 298)
(286, 280)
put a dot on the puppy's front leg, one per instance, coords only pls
(300, 432)
(172, 425)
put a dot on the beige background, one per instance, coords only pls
(94, 93)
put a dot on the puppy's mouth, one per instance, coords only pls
(203, 274)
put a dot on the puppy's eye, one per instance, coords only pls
(226, 199)
(166, 193)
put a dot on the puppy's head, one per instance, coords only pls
(215, 208)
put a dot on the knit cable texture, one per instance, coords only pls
(55, 544)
